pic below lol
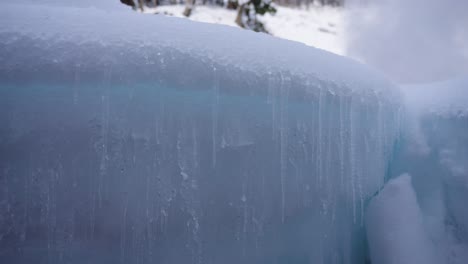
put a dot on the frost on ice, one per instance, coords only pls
(138, 139)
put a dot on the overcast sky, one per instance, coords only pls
(411, 41)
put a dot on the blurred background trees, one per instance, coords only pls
(247, 10)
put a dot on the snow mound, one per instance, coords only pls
(394, 225)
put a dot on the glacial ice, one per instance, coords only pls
(147, 139)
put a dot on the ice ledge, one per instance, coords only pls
(149, 43)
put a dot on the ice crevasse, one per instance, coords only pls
(422, 217)
(145, 139)
(434, 150)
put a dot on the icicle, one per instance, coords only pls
(319, 137)
(214, 114)
(123, 230)
(270, 89)
(76, 84)
(244, 221)
(329, 178)
(273, 98)
(92, 217)
(105, 112)
(148, 218)
(284, 94)
(341, 145)
(195, 146)
(352, 153)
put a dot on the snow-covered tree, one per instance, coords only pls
(247, 14)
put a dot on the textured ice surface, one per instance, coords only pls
(394, 226)
(435, 153)
(146, 139)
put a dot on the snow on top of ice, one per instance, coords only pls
(317, 26)
(91, 36)
(441, 98)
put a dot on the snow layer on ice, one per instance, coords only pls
(142, 36)
(317, 26)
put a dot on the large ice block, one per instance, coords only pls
(145, 139)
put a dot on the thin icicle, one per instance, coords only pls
(284, 93)
(341, 145)
(105, 115)
(273, 101)
(319, 137)
(123, 230)
(352, 153)
(214, 115)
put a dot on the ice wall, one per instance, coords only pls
(146, 139)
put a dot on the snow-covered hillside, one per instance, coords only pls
(318, 26)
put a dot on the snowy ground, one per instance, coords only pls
(319, 27)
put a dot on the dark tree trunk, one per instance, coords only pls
(141, 4)
(240, 13)
(188, 7)
(128, 2)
